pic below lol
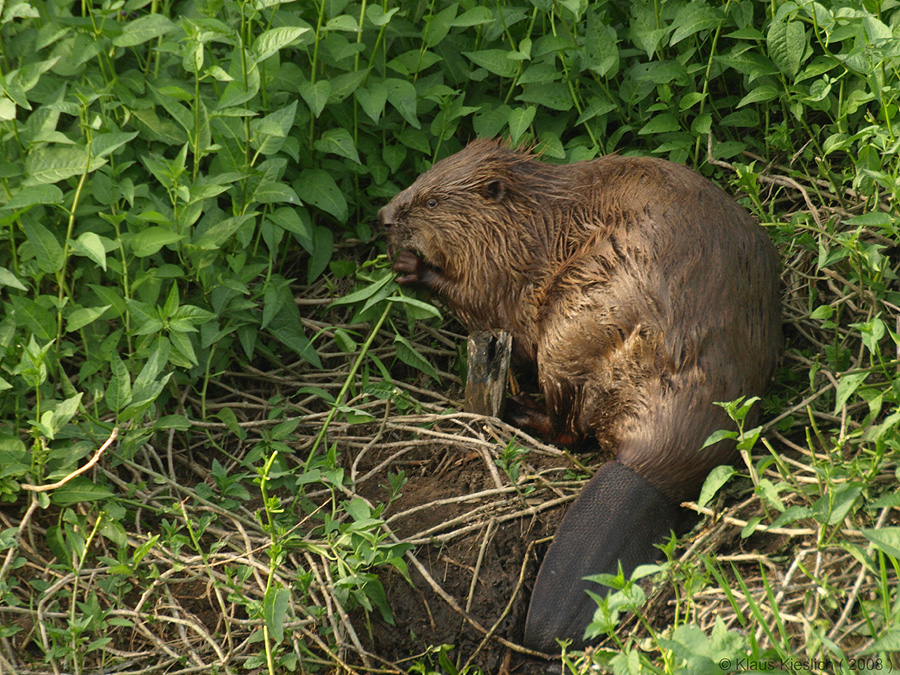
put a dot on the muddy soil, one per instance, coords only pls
(495, 540)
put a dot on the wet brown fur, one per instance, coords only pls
(642, 292)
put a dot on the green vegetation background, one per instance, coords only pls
(174, 175)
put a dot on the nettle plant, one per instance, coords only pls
(158, 170)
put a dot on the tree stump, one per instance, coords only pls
(488, 372)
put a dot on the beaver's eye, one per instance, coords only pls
(431, 203)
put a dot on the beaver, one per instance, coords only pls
(641, 292)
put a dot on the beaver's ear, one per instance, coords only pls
(494, 189)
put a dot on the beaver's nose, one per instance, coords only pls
(386, 216)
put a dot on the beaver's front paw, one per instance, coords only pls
(412, 270)
(524, 412)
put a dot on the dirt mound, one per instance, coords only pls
(477, 539)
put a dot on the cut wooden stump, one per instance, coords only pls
(489, 355)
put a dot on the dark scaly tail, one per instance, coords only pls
(618, 517)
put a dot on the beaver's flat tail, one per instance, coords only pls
(618, 517)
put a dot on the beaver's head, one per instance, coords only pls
(462, 211)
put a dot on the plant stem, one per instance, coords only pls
(347, 382)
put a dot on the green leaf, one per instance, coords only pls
(36, 318)
(112, 297)
(662, 123)
(840, 502)
(792, 514)
(747, 118)
(79, 490)
(285, 429)
(601, 49)
(402, 95)
(80, 318)
(187, 317)
(7, 278)
(154, 365)
(714, 481)
(439, 25)
(288, 329)
(873, 219)
(749, 63)
(274, 299)
(145, 317)
(65, 411)
(143, 30)
(877, 31)
(345, 341)
(760, 94)
(519, 121)
(363, 293)
(54, 164)
(408, 354)
(378, 16)
(552, 95)
(270, 131)
(182, 345)
(372, 99)
(491, 120)
(218, 233)
(14, 456)
(690, 99)
(47, 250)
(243, 87)
(7, 109)
(375, 592)
(275, 193)
(338, 142)
(786, 42)
(888, 641)
(644, 28)
(106, 144)
(149, 241)
(33, 195)
(146, 387)
(476, 16)
(720, 435)
(275, 608)
(495, 61)
(692, 18)
(886, 539)
(413, 62)
(315, 95)
(291, 221)
(274, 40)
(118, 392)
(822, 312)
(424, 309)
(231, 421)
(112, 530)
(344, 85)
(393, 155)
(323, 249)
(317, 187)
(158, 128)
(343, 22)
(57, 544)
(846, 386)
(90, 246)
